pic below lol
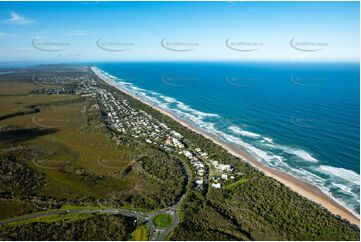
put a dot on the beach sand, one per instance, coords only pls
(304, 189)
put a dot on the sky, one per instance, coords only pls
(132, 31)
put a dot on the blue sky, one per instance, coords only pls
(110, 31)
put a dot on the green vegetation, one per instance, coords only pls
(76, 227)
(234, 184)
(66, 217)
(57, 152)
(163, 220)
(13, 207)
(141, 233)
(75, 207)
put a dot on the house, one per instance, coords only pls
(168, 141)
(177, 135)
(215, 178)
(200, 172)
(177, 143)
(187, 154)
(214, 163)
(216, 185)
(204, 154)
(225, 167)
(224, 176)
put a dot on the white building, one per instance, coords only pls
(177, 143)
(225, 167)
(204, 154)
(177, 135)
(214, 163)
(216, 185)
(187, 154)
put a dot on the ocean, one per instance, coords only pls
(300, 118)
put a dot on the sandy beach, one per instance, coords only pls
(304, 189)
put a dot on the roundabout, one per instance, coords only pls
(162, 220)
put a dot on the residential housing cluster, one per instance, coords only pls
(122, 118)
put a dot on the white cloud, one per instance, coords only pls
(80, 33)
(16, 18)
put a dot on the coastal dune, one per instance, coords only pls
(304, 189)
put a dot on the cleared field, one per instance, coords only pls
(141, 233)
(79, 158)
(10, 88)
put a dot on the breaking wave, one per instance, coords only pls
(339, 183)
(237, 130)
(342, 173)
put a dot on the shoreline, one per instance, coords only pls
(304, 189)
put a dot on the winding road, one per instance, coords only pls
(156, 233)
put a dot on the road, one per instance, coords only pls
(156, 233)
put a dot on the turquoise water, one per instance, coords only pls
(302, 118)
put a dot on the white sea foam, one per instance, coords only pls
(300, 153)
(342, 173)
(269, 140)
(343, 187)
(346, 204)
(242, 132)
(167, 99)
(196, 112)
(313, 175)
(270, 158)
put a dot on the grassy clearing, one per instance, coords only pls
(141, 233)
(80, 159)
(162, 220)
(75, 207)
(54, 218)
(234, 184)
(11, 88)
